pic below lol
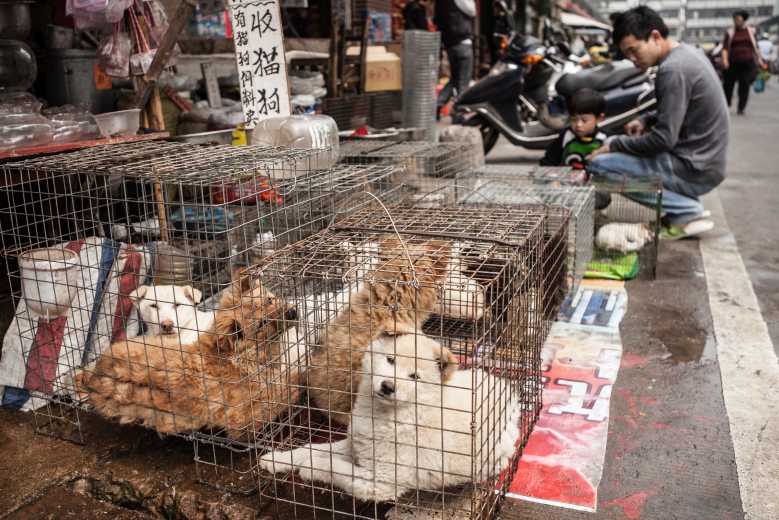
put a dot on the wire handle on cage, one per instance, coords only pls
(414, 281)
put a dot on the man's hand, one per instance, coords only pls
(635, 127)
(603, 149)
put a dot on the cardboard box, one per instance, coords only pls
(384, 69)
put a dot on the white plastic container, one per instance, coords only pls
(49, 280)
(307, 132)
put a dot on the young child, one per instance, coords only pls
(587, 108)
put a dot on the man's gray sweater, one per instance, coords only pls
(692, 121)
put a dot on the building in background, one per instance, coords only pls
(696, 21)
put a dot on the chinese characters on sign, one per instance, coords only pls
(259, 52)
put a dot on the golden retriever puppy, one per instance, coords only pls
(389, 303)
(232, 378)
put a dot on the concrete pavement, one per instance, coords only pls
(694, 424)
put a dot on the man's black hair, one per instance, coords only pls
(586, 101)
(639, 22)
(742, 13)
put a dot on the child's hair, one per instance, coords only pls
(586, 101)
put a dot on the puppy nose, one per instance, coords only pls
(292, 314)
(387, 388)
(166, 325)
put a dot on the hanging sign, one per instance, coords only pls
(259, 52)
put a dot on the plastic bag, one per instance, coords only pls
(114, 53)
(24, 130)
(96, 13)
(19, 103)
(70, 124)
(759, 85)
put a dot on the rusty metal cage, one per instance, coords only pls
(428, 166)
(504, 187)
(412, 320)
(627, 216)
(132, 250)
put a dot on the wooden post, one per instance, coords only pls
(164, 51)
(162, 214)
(333, 76)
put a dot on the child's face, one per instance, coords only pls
(584, 124)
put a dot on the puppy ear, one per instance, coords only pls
(138, 294)
(448, 364)
(192, 294)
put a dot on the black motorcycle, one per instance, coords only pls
(523, 97)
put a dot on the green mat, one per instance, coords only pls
(612, 266)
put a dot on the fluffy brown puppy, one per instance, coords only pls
(389, 303)
(233, 378)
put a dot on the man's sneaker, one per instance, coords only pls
(690, 229)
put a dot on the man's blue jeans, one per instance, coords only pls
(680, 198)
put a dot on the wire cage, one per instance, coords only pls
(132, 250)
(626, 233)
(497, 188)
(428, 166)
(422, 334)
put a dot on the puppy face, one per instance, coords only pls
(167, 308)
(257, 317)
(403, 366)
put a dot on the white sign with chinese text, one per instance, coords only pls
(259, 51)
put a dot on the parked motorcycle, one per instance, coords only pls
(523, 96)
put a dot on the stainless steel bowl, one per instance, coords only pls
(123, 122)
(15, 19)
(215, 137)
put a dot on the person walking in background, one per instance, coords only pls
(454, 19)
(740, 59)
(415, 15)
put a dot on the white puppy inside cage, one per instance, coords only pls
(411, 426)
(172, 309)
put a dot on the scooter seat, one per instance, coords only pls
(602, 77)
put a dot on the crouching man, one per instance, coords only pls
(685, 142)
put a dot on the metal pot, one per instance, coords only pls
(15, 19)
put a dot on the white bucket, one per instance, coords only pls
(49, 279)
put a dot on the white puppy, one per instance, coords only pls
(171, 309)
(411, 426)
(623, 237)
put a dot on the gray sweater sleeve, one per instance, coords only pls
(673, 97)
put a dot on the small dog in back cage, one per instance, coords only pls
(219, 381)
(411, 425)
(171, 309)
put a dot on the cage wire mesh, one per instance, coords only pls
(421, 51)
(428, 166)
(422, 332)
(626, 233)
(128, 253)
(499, 188)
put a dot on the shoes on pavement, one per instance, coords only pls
(690, 229)
(740, 113)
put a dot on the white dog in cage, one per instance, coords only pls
(411, 426)
(172, 309)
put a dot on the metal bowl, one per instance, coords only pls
(215, 137)
(15, 19)
(123, 122)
